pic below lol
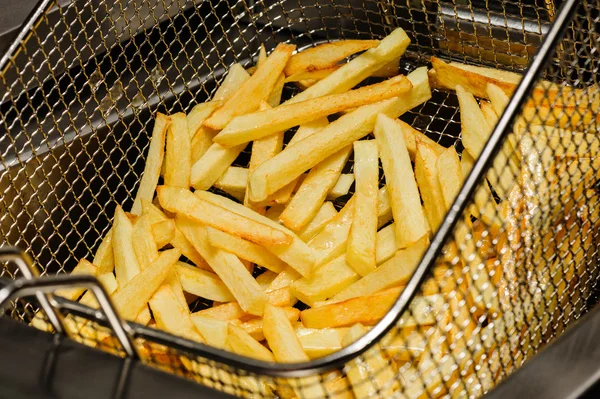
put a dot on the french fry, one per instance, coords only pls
(178, 241)
(233, 182)
(450, 176)
(325, 281)
(305, 204)
(484, 206)
(320, 342)
(202, 283)
(178, 153)
(296, 159)
(360, 253)
(244, 250)
(184, 202)
(408, 213)
(213, 330)
(332, 240)
(224, 312)
(104, 259)
(236, 76)
(395, 272)
(144, 247)
(308, 129)
(254, 326)
(429, 186)
(163, 232)
(326, 212)
(131, 297)
(256, 89)
(315, 75)
(386, 244)
(228, 267)
(382, 381)
(349, 75)
(286, 348)
(108, 281)
(283, 279)
(410, 139)
(211, 166)
(297, 254)
(326, 55)
(341, 186)
(154, 161)
(83, 268)
(488, 111)
(240, 342)
(201, 136)
(265, 278)
(126, 264)
(245, 128)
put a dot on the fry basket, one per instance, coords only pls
(513, 264)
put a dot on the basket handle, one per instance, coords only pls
(42, 287)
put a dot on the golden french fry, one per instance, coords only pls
(296, 159)
(489, 112)
(283, 279)
(381, 381)
(450, 176)
(146, 250)
(341, 186)
(83, 268)
(126, 264)
(315, 75)
(224, 312)
(245, 128)
(256, 89)
(318, 342)
(171, 315)
(185, 203)
(265, 278)
(154, 161)
(228, 267)
(240, 342)
(326, 212)
(131, 297)
(233, 182)
(325, 282)
(395, 272)
(104, 259)
(163, 232)
(349, 75)
(409, 216)
(211, 166)
(332, 240)
(236, 76)
(108, 281)
(245, 250)
(178, 153)
(254, 326)
(386, 244)
(326, 55)
(305, 204)
(198, 114)
(297, 254)
(213, 330)
(360, 252)
(202, 283)
(410, 139)
(429, 186)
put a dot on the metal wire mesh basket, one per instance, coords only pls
(511, 271)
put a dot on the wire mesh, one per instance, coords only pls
(77, 101)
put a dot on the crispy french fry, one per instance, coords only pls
(245, 250)
(108, 281)
(382, 382)
(233, 182)
(228, 267)
(202, 283)
(396, 271)
(429, 185)
(236, 76)
(410, 139)
(386, 244)
(224, 312)
(450, 175)
(410, 223)
(323, 216)
(201, 136)
(256, 89)
(83, 268)
(283, 279)
(245, 128)
(185, 203)
(254, 326)
(126, 264)
(213, 330)
(178, 153)
(332, 240)
(305, 204)
(131, 297)
(242, 343)
(488, 111)
(316, 74)
(171, 315)
(154, 161)
(211, 166)
(265, 278)
(163, 232)
(322, 341)
(308, 129)
(341, 187)
(325, 282)
(296, 159)
(360, 253)
(146, 250)
(297, 254)
(326, 55)
(104, 259)
(349, 75)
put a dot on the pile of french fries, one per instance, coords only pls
(183, 240)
